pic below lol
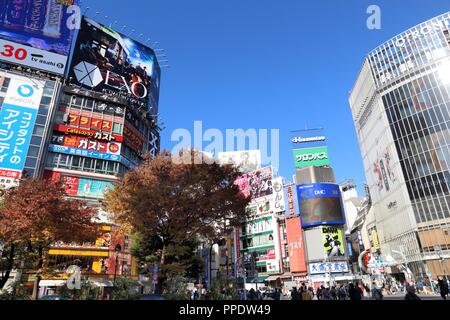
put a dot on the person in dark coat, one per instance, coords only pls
(295, 295)
(353, 293)
(443, 288)
(411, 293)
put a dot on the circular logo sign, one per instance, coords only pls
(113, 147)
(25, 90)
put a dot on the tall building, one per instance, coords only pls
(84, 120)
(401, 111)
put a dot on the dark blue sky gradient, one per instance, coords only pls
(257, 64)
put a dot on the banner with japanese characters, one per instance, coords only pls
(278, 194)
(17, 119)
(328, 267)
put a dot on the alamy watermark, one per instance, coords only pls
(212, 141)
(374, 20)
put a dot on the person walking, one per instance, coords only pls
(376, 292)
(295, 295)
(443, 287)
(342, 294)
(353, 292)
(333, 293)
(411, 293)
(326, 295)
(319, 292)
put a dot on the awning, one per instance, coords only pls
(52, 283)
(101, 282)
(272, 278)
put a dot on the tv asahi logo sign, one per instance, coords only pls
(425, 30)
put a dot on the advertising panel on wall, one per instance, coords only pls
(297, 260)
(290, 193)
(80, 186)
(17, 118)
(308, 157)
(383, 172)
(333, 243)
(98, 135)
(37, 33)
(328, 267)
(278, 195)
(256, 184)
(320, 204)
(109, 62)
(77, 142)
(246, 161)
(84, 153)
(261, 206)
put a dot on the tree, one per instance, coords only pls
(173, 203)
(35, 214)
(125, 289)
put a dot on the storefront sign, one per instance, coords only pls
(106, 136)
(321, 268)
(84, 153)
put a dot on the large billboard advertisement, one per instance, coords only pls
(308, 157)
(77, 142)
(320, 204)
(333, 243)
(296, 248)
(256, 184)
(309, 138)
(37, 33)
(84, 153)
(17, 118)
(109, 62)
(246, 161)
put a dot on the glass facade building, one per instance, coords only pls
(401, 109)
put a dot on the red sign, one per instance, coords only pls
(71, 185)
(12, 174)
(88, 122)
(291, 200)
(269, 256)
(296, 247)
(133, 139)
(89, 133)
(86, 143)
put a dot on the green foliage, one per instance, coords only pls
(124, 289)
(176, 288)
(88, 291)
(17, 292)
(223, 289)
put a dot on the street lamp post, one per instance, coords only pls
(438, 251)
(117, 250)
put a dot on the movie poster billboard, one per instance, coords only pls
(19, 107)
(296, 248)
(333, 243)
(38, 33)
(256, 184)
(246, 161)
(109, 62)
(320, 204)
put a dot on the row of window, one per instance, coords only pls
(256, 241)
(73, 162)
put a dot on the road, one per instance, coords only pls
(422, 296)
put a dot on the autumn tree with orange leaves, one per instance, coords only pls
(35, 214)
(172, 203)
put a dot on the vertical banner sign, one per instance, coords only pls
(17, 118)
(290, 193)
(278, 194)
(296, 247)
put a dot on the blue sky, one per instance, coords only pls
(265, 64)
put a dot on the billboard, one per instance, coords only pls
(109, 62)
(246, 161)
(278, 195)
(333, 243)
(297, 260)
(37, 33)
(308, 157)
(309, 138)
(261, 206)
(328, 267)
(256, 184)
(17, 118)
(84, 153)
(320, 204)
(290, 193)
(104, 136)
(78, 142)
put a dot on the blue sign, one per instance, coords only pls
(155, 269)
(320, 204)
(84, 153)
(309, 138)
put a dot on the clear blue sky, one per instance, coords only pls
(265, 63)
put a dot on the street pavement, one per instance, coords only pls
(421, 296)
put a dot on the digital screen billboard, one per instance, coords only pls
(37, 33)
(109, 62)
(246, 161)
(296, 248)
(320, 204)
(308, 157)
(17, 118)
(256, 184)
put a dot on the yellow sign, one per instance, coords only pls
(374, 235)
(84, 253)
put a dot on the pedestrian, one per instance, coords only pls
(277, 294)
(333, 293)
(252, 294)
(326, 295)
(295, 295)
(376, 292)
(342, 294)
(443, 287)
(411, 293)
(306, 294)
(319, 292)
(353, 292)
(367, 289)
(311, 292)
